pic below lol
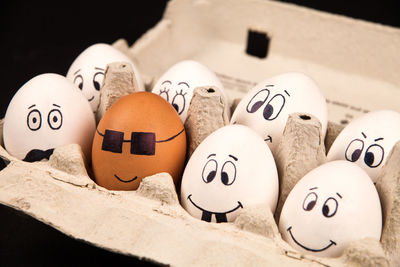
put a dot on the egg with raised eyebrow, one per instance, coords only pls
(267, 106)
(87, 70)
(330, 207)
(48, 111)
(368, 140)
(230, 170)
(176, 85)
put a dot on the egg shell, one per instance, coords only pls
(266, 107)
(89, 67)
(145, 136)
(47, 112)
(176, 85)
(231, 169)
(368, 140)
(331, 206)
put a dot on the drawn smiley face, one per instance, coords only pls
(231, 169)
(367, 140)
(87, 70)
(266, 107)
(140, 135)
(176, 85)
(45, 113)
(322, 213)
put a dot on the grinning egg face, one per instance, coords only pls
(331, 206)
(266, 107)
(47, 112)
(231, 169)
(367, 141)
(87, 70)
(176, 85)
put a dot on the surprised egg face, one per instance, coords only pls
(367, 141)
(47, 112)
(87, 70)
(231, 169)
(176, 85)
(331, 206)
(266, 107)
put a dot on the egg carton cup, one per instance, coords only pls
(150, 223)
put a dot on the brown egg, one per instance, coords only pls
(140, 135)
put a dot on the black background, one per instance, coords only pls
(38, 37)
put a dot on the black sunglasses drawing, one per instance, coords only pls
(142, 143)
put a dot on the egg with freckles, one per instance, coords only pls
(87, 70)
(231, 169)
(330, 207)
(47, 112)
(368, 140)
(267, 106)
(139, 135)
(176, 85)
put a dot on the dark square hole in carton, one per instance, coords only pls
(257, 44)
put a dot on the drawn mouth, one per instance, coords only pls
(125, 181)
(220, 216)
(268, 139)
(306, 248)
(90, 99)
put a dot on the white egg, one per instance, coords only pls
(47, 112)
(231, 169)
(87, 70)
(368, 140)
(266, 107)
(176, 85)
(331, 206)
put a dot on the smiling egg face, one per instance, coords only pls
(176, 85)
(331, 206)
(231, 169)
(47, 112)
(87, 70)
(266, 107)
(368, 140)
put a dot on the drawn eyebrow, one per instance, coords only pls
(313, 188)
(339, 195)
(34, 105)
(286, 92)
(378, 139)
(77, 71)
(211, 155)
(56, 105)
(364, 135)
(97, 68)
(184, 84)
(235, 158)
(269, 85)
(166, 81)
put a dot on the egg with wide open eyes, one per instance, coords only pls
(87, 70)
(331, 206)
(266, 107)
(176, 85)
(231, 169)
(368, 140)
(47, 112)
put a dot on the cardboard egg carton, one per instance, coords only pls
(339, 53)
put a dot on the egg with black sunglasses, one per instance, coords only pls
(139, 135)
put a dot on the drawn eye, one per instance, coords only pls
(274, 107)
(164, 93)
(55, 119)
(374, 156)
(257, 101)
(228, 173)
(78, 81)
(34, 120)
(178, 102)
(97, 80)
(354, 150)
(310, 201)
(330, 207)
(209, 171)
